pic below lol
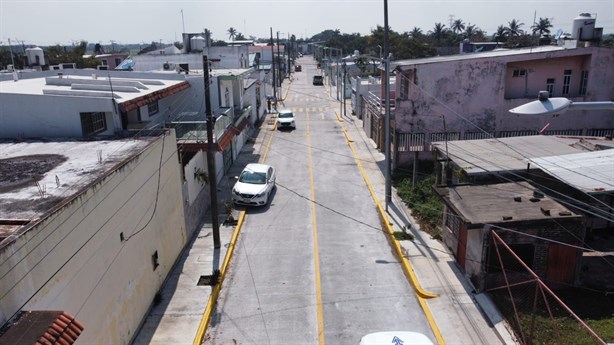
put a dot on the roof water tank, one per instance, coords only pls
(197, 43)
(36, 56)
(583, 26)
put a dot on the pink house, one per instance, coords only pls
(468, 96)
(111, 60)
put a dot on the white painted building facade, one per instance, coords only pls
(104, 242)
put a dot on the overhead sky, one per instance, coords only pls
(50, 22)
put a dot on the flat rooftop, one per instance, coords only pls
(96, 85)
(37, 176)
(500, 203)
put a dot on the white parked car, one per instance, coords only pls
(395, 338)
(285, 119)
(254, 185)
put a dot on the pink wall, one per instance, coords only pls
(478, 90)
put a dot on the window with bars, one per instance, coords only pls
(93, 123)
(404, 92)
(550, 86)
(583, 82)
(566, 81)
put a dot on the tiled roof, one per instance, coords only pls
(42, 328)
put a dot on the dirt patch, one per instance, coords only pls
(17, 172)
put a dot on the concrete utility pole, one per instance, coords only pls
(280, 77)
(210, 157)
(388, 191)
(273, 68)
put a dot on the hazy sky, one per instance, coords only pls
(51, 22)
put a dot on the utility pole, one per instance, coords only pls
(344, 80)
(280, 77)
(273, 68)
(210, 157)
(388, 191)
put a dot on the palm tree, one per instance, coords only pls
(416, 32)
(439, 32)
(513, 28)
(543, 26)
(232, 33)
(501, 34)
(458, 26)
(471, 30)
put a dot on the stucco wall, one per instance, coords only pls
(471, 93)
(48, 116)
(75, 259)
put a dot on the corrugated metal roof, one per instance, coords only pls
(504, 154)
(591, 172)
(490, 54)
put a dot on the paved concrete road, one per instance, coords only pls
(314, 265)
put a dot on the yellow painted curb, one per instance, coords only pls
(204, 322)
(206, 318)
(421, 294)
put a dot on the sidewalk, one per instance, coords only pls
(459, 313)
(462, 316)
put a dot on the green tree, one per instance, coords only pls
(501, 34)
(232, 33)
(239, 37)
(458, 26)
(542, 26)
(513, 28)
(416, 33)
(439, 32)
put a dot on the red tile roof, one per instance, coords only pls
(42, 328)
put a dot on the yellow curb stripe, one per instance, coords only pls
(421, 294)
(316, 251)
(204, 322)
(206, 318)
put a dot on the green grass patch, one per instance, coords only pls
(425, 205)
(403, 236)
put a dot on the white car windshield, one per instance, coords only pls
(252, 177)
(285, 115)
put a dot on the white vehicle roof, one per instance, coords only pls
(395, 337)
(257, 168)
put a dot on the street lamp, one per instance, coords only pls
(545, 105)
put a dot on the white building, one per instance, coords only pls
(83, 103)
(84, 229)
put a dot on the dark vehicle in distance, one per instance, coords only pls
(298, 68)
(318, 80)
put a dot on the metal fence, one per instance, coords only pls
(536, 314)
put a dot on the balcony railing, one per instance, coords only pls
(193, 126)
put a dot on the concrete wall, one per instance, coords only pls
(229, 57)
(478, 92)
(75, 260)
(49, 116)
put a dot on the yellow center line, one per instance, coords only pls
(316, 252)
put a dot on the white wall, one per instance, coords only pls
(199, 161)
(74, 259)
(49, 116)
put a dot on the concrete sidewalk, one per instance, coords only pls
(460, 314)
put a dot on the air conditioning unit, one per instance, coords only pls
(167, 66)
